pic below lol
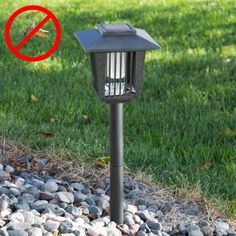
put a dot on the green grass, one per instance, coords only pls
(183, 128)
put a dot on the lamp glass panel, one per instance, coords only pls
(116, 65)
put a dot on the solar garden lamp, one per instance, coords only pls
(117, 53)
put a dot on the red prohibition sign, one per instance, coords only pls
(15, 49)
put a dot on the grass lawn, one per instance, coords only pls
(183, 128)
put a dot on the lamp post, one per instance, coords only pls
(117, 53)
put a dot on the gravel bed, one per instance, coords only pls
(39, 204)
(53, 197)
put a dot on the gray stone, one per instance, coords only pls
(34, 191)
(99, 222)
(29, 217)
(46, 196)
(94, 210)
(207, 230)
(3, 231)
(4, 202)
(5, 191)
(24, 159)
(87, 191)
(133, 229)
(194, 230)
(63, 205)
(175, 232)
(59, 211)
(167, 207)
(17, 233)
(84, 204)
(231, 232)
(155, 232)
(17, 217)
(42, 205)
(2, 223)
(28, 184)
(153, 208)
(131, 208)
(191, 211)
(221, 227)
(195, 233)
(19, 226)
(105, 197)
(101, 184)
(137, 219)
(23, 206)
(68, 216)
(25, 175)
(144, 227)
(77, 186)
(182, 227)
(112, 230)
(79, 197)
(68, 234)
(192, 227)
(90, 201)
(37, 183)
(35, 231)
(50, 186)
(106, 219)
(38, 221)
(51, 225)
(13, 200)
(9, 169)
(16, 192)
(141, 233)
(128, 220)
(75, 211)
(27, 198)
(144, 215)
(66, 197)
(154, 224)
(141, 201)
(61, 188)
(5, 213)
(79, 231)
(9, 184)
(203, 223)
(65, 227)
(47, 234)
(167, 228)
(133, 193)
(42, 163)
(103, 204)
(159, 215)
(4, 176)
(141, 207)
(97, 231)
(164, 233)
(20, 182)
(100, 191)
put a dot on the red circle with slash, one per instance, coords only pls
(15, 49)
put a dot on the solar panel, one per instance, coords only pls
(116, 29)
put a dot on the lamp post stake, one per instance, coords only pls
(116, 163)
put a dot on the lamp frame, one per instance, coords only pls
(134, 74)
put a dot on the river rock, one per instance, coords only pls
(66, 197)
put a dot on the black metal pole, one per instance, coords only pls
(116, 164)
